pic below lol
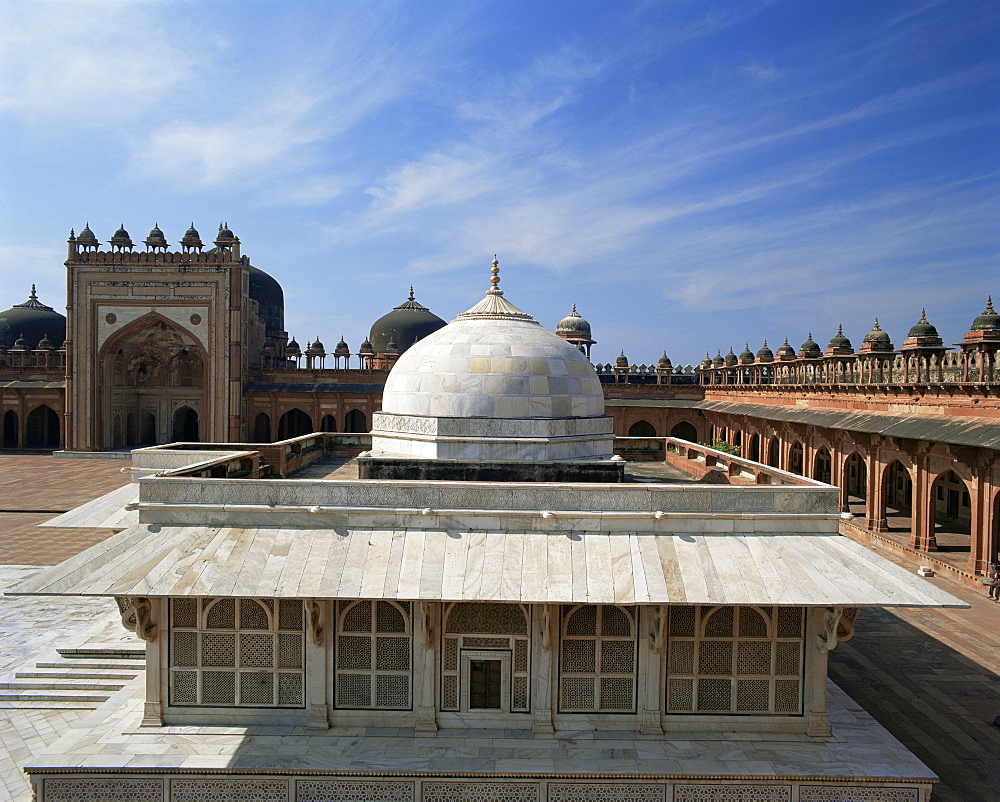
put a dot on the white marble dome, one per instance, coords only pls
(488, 368)
(493, 385)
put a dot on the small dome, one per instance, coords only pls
(45, 342)
(343, 349)
(293, 348)
(366, 348)
(810, 349)
(121, 239)
(621, 361)
(707, 361)
(717, 360)
(155, 238)
(923, 328)
(191, 238)
(765, 354)
(405, 324)
(225, 232)
(33, 320)
(268, 346)
(316, 348)
(878, 339)
(86, 237)
(664, 361)
(573, 325)
(21, 342)
(785, 349)
(839, 340)
(730, 358)
(746, 355)
(989, 320)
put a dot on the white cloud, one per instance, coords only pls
(95, 63)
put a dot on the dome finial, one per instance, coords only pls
(495, 278)
(410, 297)
(33, 296)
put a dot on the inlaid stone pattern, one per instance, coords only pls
(732, 793)
(817, 793)
(609, 792)
(349, 791)
(110, 790)
(202, 790)
(479, 792)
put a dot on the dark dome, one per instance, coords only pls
(293, 347)
(342, 349)
(878, 338)
(32, 319)
(664, 361)
(785, 349)
(316, 348)
(839, 340)
(404, 325)
(366, 348)
(573, 325)
(621, 361)
(765, 354)
(989, 320)
(810, 349)
(268, 293)
(707, 361)
(730, 358)
(121, 232)
(746, 353)
(923, 328)
(717, 360)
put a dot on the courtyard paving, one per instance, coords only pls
(930, 677)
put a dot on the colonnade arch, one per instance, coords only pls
(951, 512)
(42, 428)
(642, 428)
(685, 431)
(294, 423)
(11, 437)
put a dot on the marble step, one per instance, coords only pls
(74, 674)
(64, 699)
(33, 704)
(120, 652)
(61, 686)
(110, 665)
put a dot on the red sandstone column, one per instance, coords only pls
(922, 528)
(875, 502)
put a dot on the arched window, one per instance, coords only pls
(328, 424)
(823, 466)
(185, 427)
(685, 431)
(485, 658)
(374, 655)
(597, 659)
(735, 660)
(642, 428)
(294, 423)
(43, 428)
(753, 451)
(356, 422)
(262, 428)
(795, 459)
(147, 433)
(10, 429)
(237, 652)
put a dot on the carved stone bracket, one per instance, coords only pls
(845, 626)
(546, 627)
(316, 621)
(145, 627)
(657, 630)
(427, 608)
(827, 640)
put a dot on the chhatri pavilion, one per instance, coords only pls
(492, 607)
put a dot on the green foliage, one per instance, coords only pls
(725, 448)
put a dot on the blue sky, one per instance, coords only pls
(692, 175)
